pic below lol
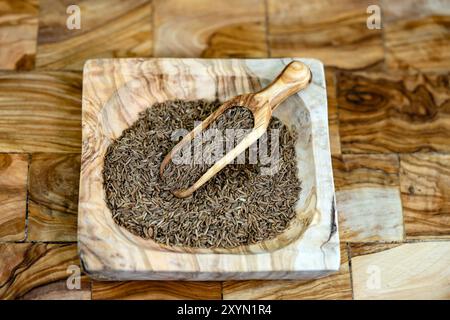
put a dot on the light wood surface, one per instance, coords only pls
(109, 28)
(368, 197)
(40, 111)
(360, 249)
(407, 271)
(425, 187)
(109, 251)
(58, 291)
(417, 37)
(156, 290)
(13, 195)
(229, 28)
(380, 112)
(53, 197)
(18, 33)
(336, 286)
(333, 114)
(335, 34)
(28, 266)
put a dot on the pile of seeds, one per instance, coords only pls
(239, 206)
(180, 175)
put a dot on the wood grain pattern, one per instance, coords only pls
(18, 33)
(393, 113)
(336, 34)
(336, 286)
(13, 196)
(357, 171)
(53, 197)
(333, 116)
(361, 249)
(156, 290)
(200, 29)
(425, 187)
(40, 112)
(417, 35)
(58, 291)
(406, 271)
(29, 268)
(111, 252)
(368, 197)
(109, 28)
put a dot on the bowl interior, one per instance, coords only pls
(139, 93)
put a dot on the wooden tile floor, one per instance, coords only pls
(389, 115)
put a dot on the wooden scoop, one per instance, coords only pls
(295, 76)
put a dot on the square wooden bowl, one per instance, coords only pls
(115, 91)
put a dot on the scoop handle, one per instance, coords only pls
(294, 77)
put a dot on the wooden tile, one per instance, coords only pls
(227, 28)
(368, 197)
(425, 187)
(417, 34)
(335, 286)
(58, 291)
(408, 271)
(156, 290)
(333, 118)
(40, 112)
(109, 28)
(13, 196)
(18, 34)
(372, 170)
(33, 270)
(53, 197)
(360, 249)
(393, 113)
(337, 34)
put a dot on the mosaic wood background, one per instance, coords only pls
(389, 117)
